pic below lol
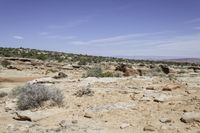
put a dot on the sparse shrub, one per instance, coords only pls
(84, 92)
(97, 72)
(82, 62)
(32, 96)
(5, 63)
(94, 72)
(107, 74)
(42, 57)
(155, 71)
(3, 94)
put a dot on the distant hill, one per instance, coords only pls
(87, 59)
(155, 58)
(164, 58)
(188, 60)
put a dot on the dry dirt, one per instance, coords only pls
(133, 104)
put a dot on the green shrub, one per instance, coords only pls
(82, 62)
(107, 74)
(94, 72)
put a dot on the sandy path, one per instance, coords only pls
(17, 79)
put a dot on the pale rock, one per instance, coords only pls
(171, 87)
(124, 125)
(165, 120)
(149, 128)
(161, 98)
(190, 117)
(39, 115)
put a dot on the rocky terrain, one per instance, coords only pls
(130, 97)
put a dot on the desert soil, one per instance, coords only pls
(132, 104)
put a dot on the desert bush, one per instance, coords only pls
(94, 72)
(107, 74)
(32, 96)
(3, 94)
(84, 92)
(5, 63)
(98, 72)
(165, 69)
(82, 62)
(16, 91)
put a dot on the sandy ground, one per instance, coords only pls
(132, 104)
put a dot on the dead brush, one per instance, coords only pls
(33, 96)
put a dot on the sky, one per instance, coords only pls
(103, 27)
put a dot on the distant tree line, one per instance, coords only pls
(81, 59)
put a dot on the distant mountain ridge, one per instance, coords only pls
(164, 58)
(188, 60)
(85, 59)
(150, 57)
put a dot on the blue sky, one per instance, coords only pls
(103, 27)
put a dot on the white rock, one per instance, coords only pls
(161, 98)
(124, 125)
(190, 117)
(164, 120)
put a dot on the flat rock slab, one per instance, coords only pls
(113, 106)
(190, 117)
(39, 115)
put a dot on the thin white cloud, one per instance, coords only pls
(44, 33)
(18, 37)
(122, 39)
(195, 20)
(152, 44)
(60, 37)
(69, 24)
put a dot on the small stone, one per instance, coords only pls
(60, 75)
(167, 89)
(190, 117)
(87, 116)
(149, 128)
(163, 128)
(145, 99)
(164, 120)
(159, 100)
(150, 88)
(74, 121)
(124, 125)
(62, 123)
(171, 87)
